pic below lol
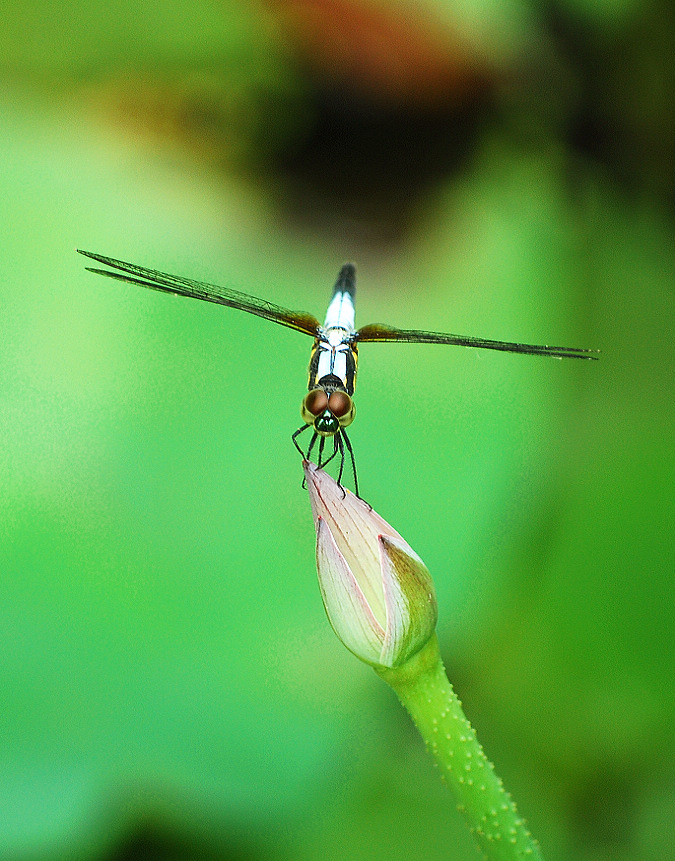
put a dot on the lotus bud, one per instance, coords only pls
(378, 594)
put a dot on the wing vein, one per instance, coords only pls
(377, 332)
(166, 283)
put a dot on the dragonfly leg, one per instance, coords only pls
(315, 436)
(343, 433)
(340, 440)
(335, 451)
(340, 446)
(311, 446)
(295, 441)
(322, 443)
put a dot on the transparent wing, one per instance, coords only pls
(298, 320)
(379, 332)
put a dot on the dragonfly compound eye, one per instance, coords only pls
(314, 403)
(339, 403)
(342, 406)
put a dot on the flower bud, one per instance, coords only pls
(377, 592)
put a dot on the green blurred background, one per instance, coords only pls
(170, 688)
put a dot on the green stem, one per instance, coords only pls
(423, 687)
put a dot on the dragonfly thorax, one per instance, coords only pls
(333, 361)
(336, 336)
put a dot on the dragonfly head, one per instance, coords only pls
(327, 412)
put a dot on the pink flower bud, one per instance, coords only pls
(377, 592)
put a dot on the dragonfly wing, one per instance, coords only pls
(379, 332)
(154, 280)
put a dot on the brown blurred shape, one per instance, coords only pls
(395, 53)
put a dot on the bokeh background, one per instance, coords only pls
(169, 686)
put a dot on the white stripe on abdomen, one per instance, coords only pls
(340, 313)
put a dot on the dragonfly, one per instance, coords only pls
(328, 407)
